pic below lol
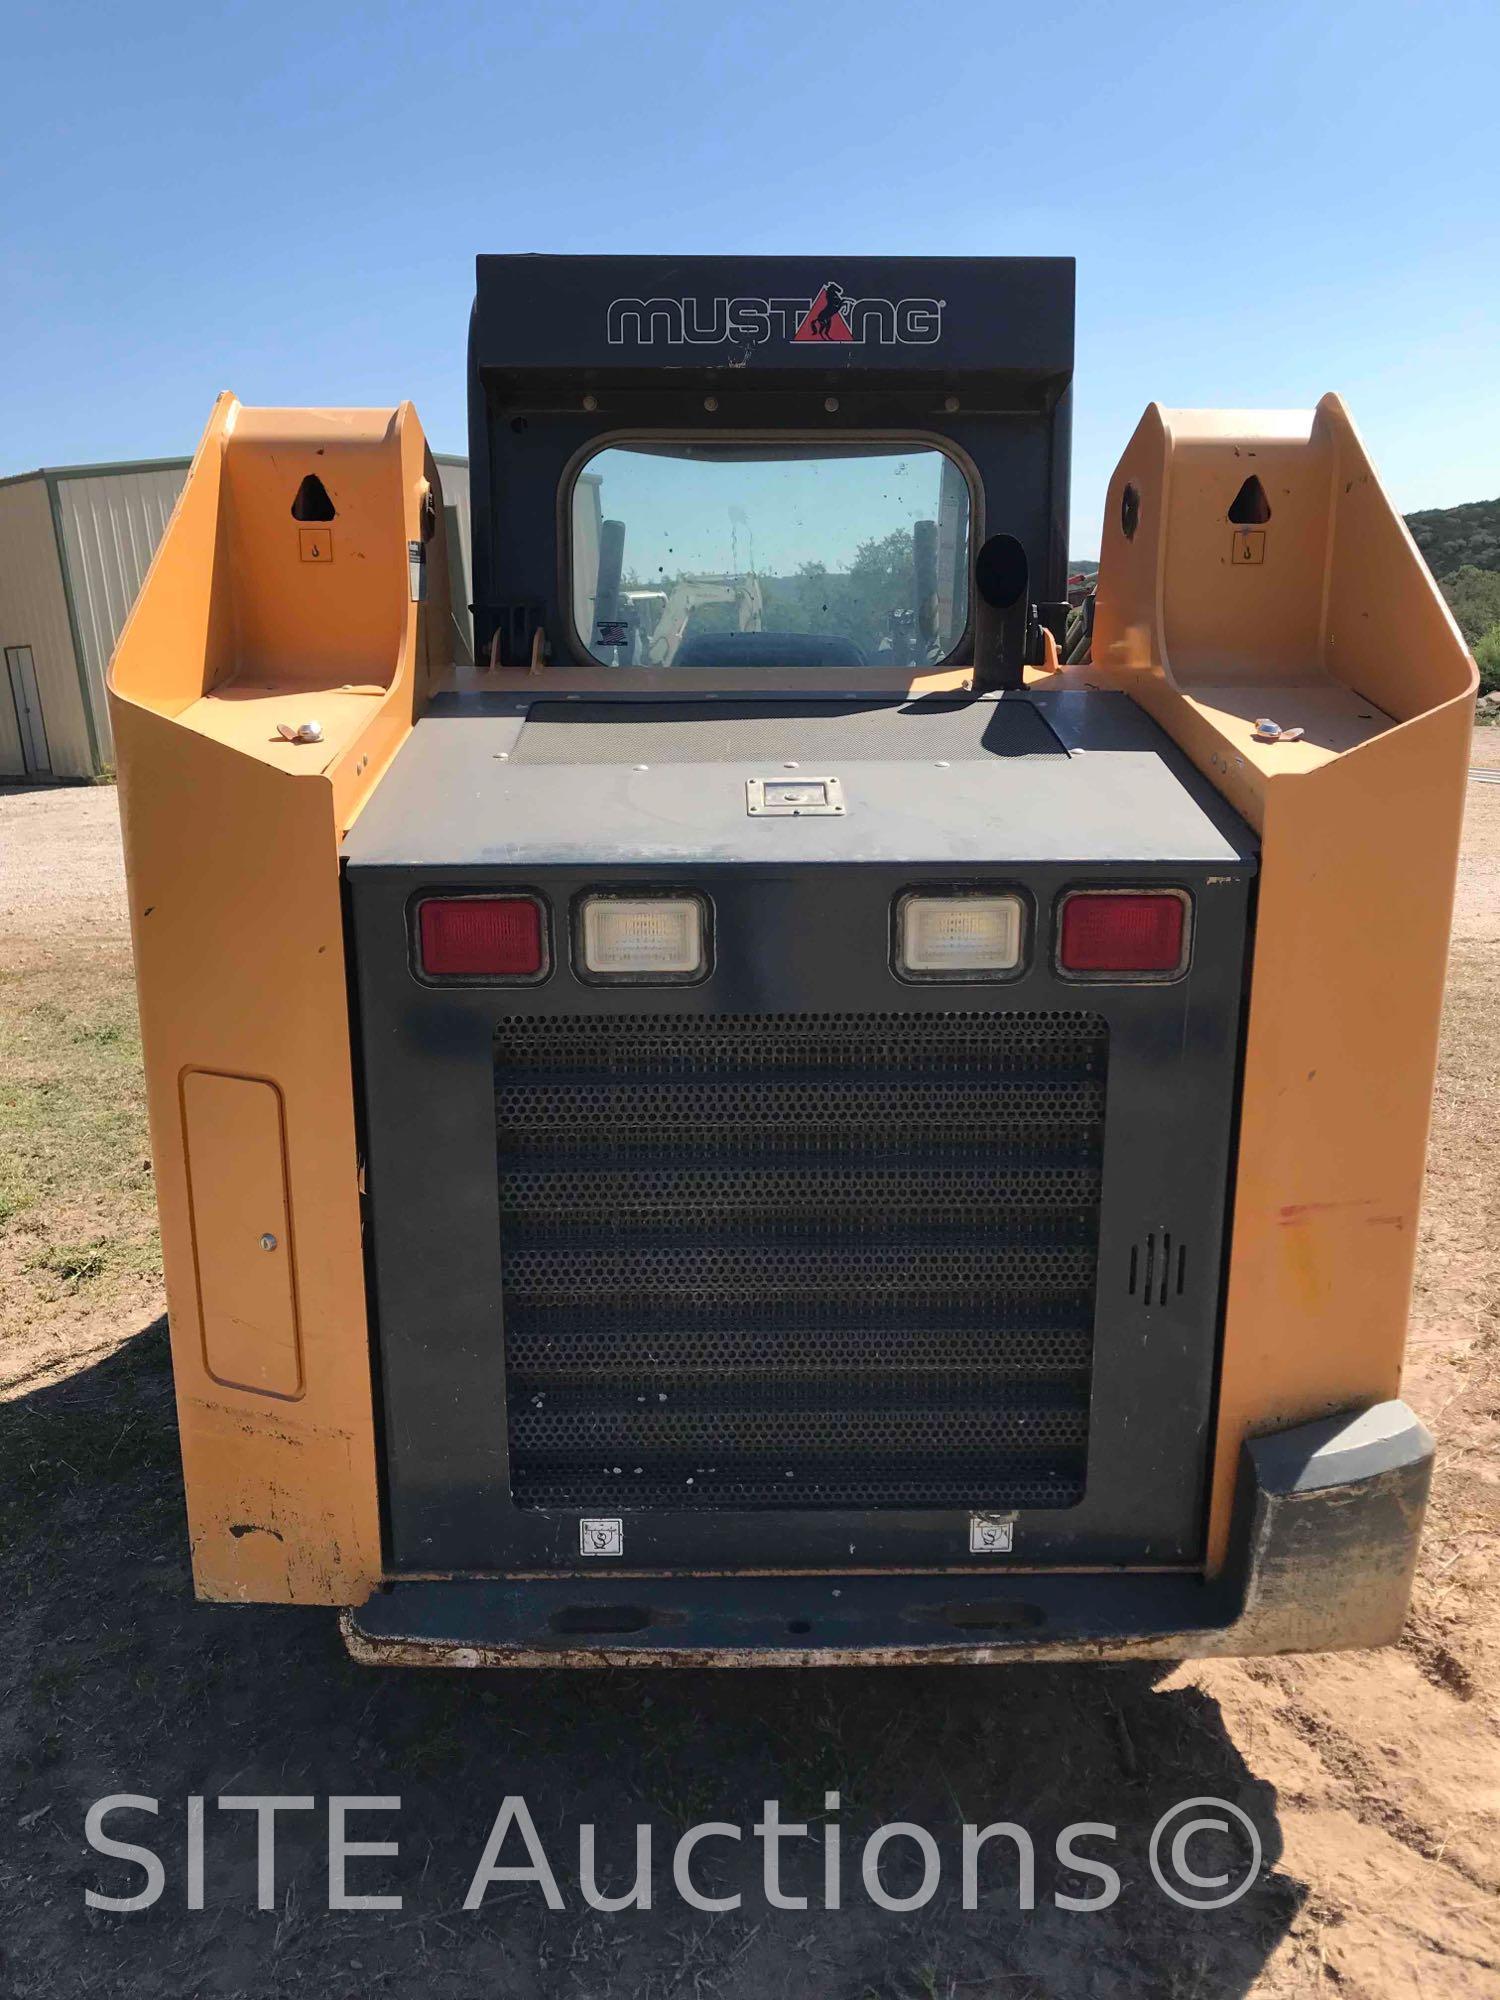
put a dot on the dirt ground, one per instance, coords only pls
(1372, 1780)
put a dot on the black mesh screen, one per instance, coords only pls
(799, 1261)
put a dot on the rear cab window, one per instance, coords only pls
(769, 552)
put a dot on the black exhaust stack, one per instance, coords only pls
(611, 565)
(924, 571)
(1002, 614)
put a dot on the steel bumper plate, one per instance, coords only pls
(1327, 1521)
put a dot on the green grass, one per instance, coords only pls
(74, 1263)
(77, 1207)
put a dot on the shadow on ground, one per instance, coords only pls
(118, 1682)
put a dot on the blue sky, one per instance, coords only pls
(1265, 202)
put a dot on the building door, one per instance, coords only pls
(27, 697)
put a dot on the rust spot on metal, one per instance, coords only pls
(1298, 1211)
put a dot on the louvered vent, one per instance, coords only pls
(1158, 1268)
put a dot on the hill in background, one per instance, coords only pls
(1462, 547)
(1455, 538)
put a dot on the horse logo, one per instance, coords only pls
(827, 318)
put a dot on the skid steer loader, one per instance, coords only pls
(880, 1118)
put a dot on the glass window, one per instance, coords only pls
(770, 554)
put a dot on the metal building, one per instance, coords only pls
(75, 544)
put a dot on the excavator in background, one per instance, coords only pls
(744, 1147)
(740, 594)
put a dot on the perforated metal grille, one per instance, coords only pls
(799, 1261)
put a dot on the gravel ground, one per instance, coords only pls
(63, 873)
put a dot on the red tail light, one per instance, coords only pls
(481, 937)
(1106, 932)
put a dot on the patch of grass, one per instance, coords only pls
(77, 1205)
(110, 1428)
(99, 1034)
(74, 1263)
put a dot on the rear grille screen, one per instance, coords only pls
(801, 1260)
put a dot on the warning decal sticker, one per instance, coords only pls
(601, 1537)
(991, 1534)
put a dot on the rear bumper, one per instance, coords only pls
(1326, 1527)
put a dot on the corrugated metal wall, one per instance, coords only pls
(111, 524)
(454, 474)
(34, 613)
(110, 519)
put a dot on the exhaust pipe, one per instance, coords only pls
(924, 576)
(611, 564)
(1002, 614)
